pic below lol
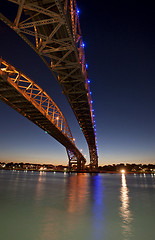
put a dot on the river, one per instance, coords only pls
(60, 206)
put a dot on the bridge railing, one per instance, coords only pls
(37, 96)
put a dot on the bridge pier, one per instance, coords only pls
(93, 160)
(76, 162)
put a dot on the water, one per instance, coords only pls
(48, 206)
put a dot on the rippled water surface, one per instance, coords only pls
(48, 206)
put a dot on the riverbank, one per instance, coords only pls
(73, 171)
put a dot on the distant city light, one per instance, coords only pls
(88, 81)
(122, 171)
(86, 65)
(78, 11)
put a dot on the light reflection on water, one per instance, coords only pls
(125, 212)
(48, 206)
(98, 208)
(77, 193)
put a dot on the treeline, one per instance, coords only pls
(115, 168)
(128, 167)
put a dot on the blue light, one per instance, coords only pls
(91, 101)
(78, 11)
(90, 93)
(88, 81)
(86, 65)
(83, 45)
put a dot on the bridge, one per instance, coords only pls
(27, 98)
(52, 29)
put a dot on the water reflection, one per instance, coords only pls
(125, 209)
(39, 186)
(77, 193)
(98, 207)
(64, 214)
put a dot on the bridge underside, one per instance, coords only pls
(18, 99)
(52, 29)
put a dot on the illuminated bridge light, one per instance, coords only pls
(83, 45)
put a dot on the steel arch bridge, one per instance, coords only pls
(27, 98)
(52, 29)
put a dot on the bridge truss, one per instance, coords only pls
(26, 97)
(52, 29)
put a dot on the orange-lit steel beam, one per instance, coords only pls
(26, 97)
(55, 29)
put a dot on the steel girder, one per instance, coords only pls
(52, 29)
(26, 97)
(75, 162)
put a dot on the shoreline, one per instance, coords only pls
(60, 171)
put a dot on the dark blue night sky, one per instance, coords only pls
(119, 41)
